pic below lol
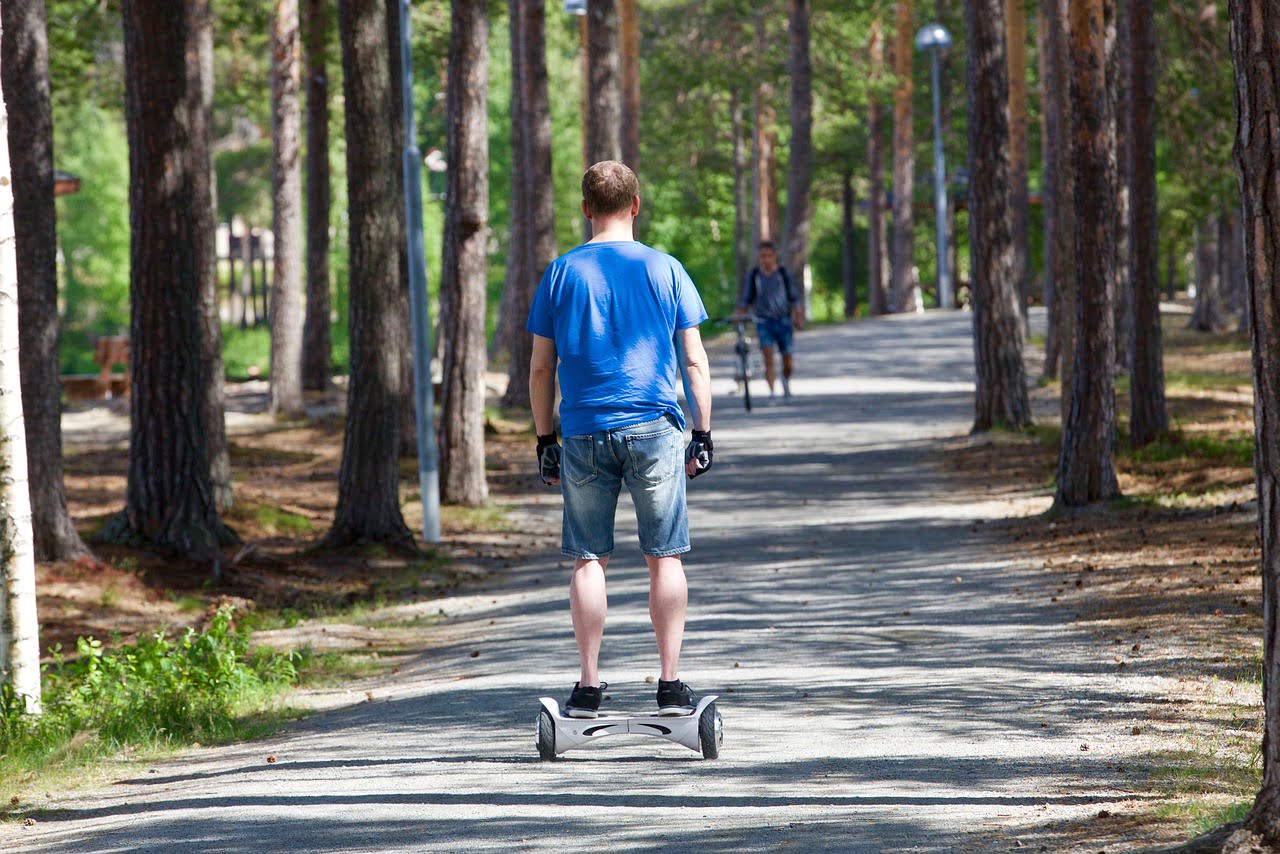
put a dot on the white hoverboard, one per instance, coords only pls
(701, 731)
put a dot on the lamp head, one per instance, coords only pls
(575, 7)
(930, 37)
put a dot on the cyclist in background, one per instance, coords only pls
(774, 298)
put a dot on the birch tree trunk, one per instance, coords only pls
(466, 231)
(800, 163)
(286, 195)
(25, 72)
(19, 629)
(1255, 49)
(317, 336)
(1148, 418)
(1086, 468)
(368, 481)
(1001, 398)
(905, 293)
(604, 113)
(877, 299)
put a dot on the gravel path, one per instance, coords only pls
(882, 687)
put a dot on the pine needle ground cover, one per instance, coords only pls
(1165, 579)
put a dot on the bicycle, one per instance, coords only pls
(742, 353)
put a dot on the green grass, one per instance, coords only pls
(490, 517)
(246, 351)
(1175, 381)
(273, 520)
(1228, 449)
(332, 667)
(144, 698)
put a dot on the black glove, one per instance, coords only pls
(700, 449)
(549, 459)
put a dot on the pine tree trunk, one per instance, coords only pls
(286, 191)
(1064, 201)
(1148, 418)
(317, 337)
(19, 628)
(741, 207)
(368, 483)
(170, 501)
(904, 291)
(1086, 469)
(1049, 142)
(877, 299)
(1118, 90)
(462, 285)
(800, 163)
(604, 112)
(1015, 31)
(204, 184)
(408, 406)
(24, 68)
(629, 32)
(764, 195)
(1001, 398)
(512, 337)
(1206, 314)
(1255, 48)
(539, 196)
(848, 272)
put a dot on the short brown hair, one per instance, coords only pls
(609, 188)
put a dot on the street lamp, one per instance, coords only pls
(423, 391)
(934, 38)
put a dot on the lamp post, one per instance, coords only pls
(578, 9)
(419, 307)
(934, 38)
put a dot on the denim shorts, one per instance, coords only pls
(775, 332)
(649, 458)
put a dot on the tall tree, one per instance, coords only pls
(764, 188)
(1255, 49)
(629, 32)
(204, 185)
(1118, 90)
(24, 69)
(538, 210)
(466, 232)
(848, 255)
(942, 11)
(1086, 468)
(19, 628)
(800, 163)
(169, 501)
(408, 405)
(741, 207)
(1147, 415)
(512, 336)
(286, 192)
(1015, 33)
(904, 290)
(317, 336)
(1001, 398)
(1059, 107)
(1206, 314)
(604, 108)
(1049, 143)
(368, 482)
(877, 299)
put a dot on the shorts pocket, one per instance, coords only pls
(655, 457)
(578, 460)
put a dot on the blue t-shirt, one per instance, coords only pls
(613, 309)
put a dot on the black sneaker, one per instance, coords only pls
(675, 698)
(584, 702)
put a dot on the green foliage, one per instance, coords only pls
(93, 233)
(160, 691)
(1230, 450)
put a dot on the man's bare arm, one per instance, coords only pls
(699, 371)
(542, 384)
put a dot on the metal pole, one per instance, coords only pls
(419, 307)
(940, 189)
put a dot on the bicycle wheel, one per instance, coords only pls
(746, 384)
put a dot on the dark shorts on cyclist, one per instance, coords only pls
(775, 333)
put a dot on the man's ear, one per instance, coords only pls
(585, 211)
(635, 207)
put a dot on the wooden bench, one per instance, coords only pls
(108, 351)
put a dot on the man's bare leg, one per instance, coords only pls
(588, 604)
(770, 369)
(668, 600)
(787, 364)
